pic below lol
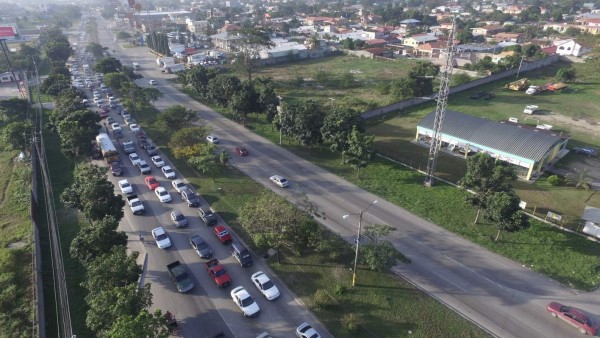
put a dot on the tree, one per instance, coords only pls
(565, 74)
(379, 254)
(122, 35)
(107, 305)
(224, 159)
(252, 40)
(504, 211)
(200, 77)
(175, 118)
(485, 177)
(267, 98)
(152, 94)
(14, 109)
(96, 50)
(460, 78)
(360, 150)
(18, 135)
(580, 178)
(272, 222)
(303, 121)
(244, 102)
(107, 65)
(59, 67)
(338, 125)
(115, 80)
(189, 136)
(54, 84)
(222, 88)
(403, 88)
(112, 268)
(144, 324)
(77, 129)
(205, 162)
(94, 241)
(58, 49)
(93, 195)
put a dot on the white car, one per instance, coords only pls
(306, 331)
(245, 302)
(168, 172)
(110, 98)
(134, 158)
(116, 126)
(212, 139)
(134, 127)
(152, 82)
(265, 285)
(280, 181)
(158, 161)
(162, 239)
(179, 185)
(125, 187)
(163, 195)
(129, 121)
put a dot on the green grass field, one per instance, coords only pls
(367, 74)
(16, 293)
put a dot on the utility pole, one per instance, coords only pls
(360, 218)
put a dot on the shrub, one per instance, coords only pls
(322, 299)
(351, 322)
(339, 289)
(555, 180)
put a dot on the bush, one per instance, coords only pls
(339, 289)
(351, 322)
(322, 299)
(555, 180)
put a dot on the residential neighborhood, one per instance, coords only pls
(277, 168)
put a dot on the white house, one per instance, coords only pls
(570, 47)
(8, 77)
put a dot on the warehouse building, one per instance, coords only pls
(528, 148)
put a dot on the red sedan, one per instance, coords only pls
(222, 233)
(151, 182)
(241, 151)
(574, 317)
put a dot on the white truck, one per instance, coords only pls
(530, 109)
(136, 66)
(135, 204)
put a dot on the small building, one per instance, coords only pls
(376, 43)
(225, 41)
(529, 149)
(570, 47)
(487, 30)
(419, 39)
(510, 37)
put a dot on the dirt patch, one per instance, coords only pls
(575, 126)
(16, 245)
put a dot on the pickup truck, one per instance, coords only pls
(135, 204)
(218, 273)
(180, 276)
(128, 147)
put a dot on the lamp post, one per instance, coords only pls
(279, 111)
(360, 217)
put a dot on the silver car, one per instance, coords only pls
(179, 219)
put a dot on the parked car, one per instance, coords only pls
(208, 217)
(178, 218)
(587, 151)
(162, 239)
(280, 181)
(152, 82)
(163, 195)
(125, 187)
(241, 151)
(190, 197)
(151, 182)
(134, 158)
(116, 168)
(245, 302)
(134, 127)
(158, 161)
(179, 185)
(145, 169)
(212, 139)
(306, 331)
(168, 172)
(200, 246)
(574, 317)
(222, 234)
(264, 284)
(151, 149)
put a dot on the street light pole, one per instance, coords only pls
(360, 218)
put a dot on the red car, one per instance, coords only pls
(574, 317)
(151, 182)
(222, 233)
(241, 151)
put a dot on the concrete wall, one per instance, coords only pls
(39, 323)
(526, 67)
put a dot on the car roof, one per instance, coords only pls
(123, 181)
(158, 231)
(160, 188)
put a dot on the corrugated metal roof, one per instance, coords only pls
(508, 138)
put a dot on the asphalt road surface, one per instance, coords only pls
(501, 296)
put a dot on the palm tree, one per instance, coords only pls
(580, 178)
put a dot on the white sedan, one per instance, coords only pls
(125, 187)
(116, 127)
(158, 161)
(280, 181)
(163, 195)
(265, 285)
(134, 158)
(134, 127)
(245, 302)
(179, 185)
(212, 139)
(152, 82)
(168, 172)
(162, 239)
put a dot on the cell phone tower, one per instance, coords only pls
(440, 110)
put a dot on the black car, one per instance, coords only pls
(116, 168)
(143, 143)
(190, 198)
(208, 217)
(586, 151)
(151, 149)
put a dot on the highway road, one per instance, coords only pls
(207, 310)
(501, 296)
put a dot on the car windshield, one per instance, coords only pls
(152, 181)
(208, 213)
(191, 196)
(168, 170)
(179, 217)
(267, 285)
(125, 185)
(220, 272)
(283, 180)
(161, 237)
(162, 193)
(223, 233)
(247, 301)
(202, 245)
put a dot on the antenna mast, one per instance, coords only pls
(442, 102)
